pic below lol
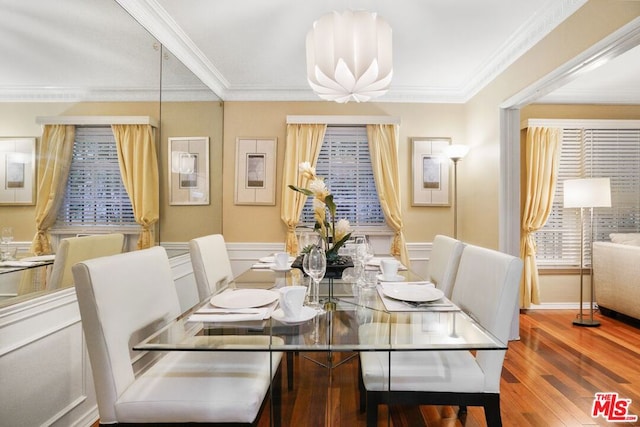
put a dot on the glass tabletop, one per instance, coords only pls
(354, 319)
(13, 265)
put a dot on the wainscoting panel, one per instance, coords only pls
(46, 377)
(45, 374)
(185, 281)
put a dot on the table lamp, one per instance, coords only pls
(586, 193)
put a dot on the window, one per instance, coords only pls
(586, 153)
(95, 194)
(345, 164)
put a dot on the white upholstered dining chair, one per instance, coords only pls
(211, 265)
(212, 271)
(125, 297)
(443, 262)
(75, 249)
(486, 288)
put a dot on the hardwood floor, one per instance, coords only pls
(550, 377)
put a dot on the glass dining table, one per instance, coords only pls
(354, 319)
(22, 277)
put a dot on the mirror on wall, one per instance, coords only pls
(191, 115)
(78, 58)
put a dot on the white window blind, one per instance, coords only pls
(345, 163)
(95, 194)
(593, 153)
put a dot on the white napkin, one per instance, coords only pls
(263, 265)
(424, 282)
(269, 266)
(215, 314)
(227, 317)
(395, 305)
(40, 258)
(17, 263)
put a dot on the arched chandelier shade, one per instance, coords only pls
(349, 56)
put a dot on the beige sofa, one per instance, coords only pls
(616, 274)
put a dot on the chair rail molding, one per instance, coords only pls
(41, 344)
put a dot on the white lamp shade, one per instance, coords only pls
(349, 56)
(456, 151)
(587, 193)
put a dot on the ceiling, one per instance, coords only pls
(444, 50)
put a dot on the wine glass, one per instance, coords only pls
(363, 255)
(305, 239)
(315, 265)
(6, 236)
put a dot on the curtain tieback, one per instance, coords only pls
(531, 248)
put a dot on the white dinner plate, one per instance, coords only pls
(414, 293)
(396, 278)
(244, 298)
(40, 258)
(271, 259)
(306, 314)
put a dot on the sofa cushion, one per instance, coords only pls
(625, 238)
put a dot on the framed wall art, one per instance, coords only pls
(430, 172)
(17, 171)
(255, 171)
(189, 171)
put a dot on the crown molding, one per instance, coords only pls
(530, 34)
(620, 41)
(113, 94)
(159, 23)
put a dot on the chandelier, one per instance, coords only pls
(349, 56)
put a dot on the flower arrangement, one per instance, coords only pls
(333, 233)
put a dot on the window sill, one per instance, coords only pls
(562, 271)
(372, 230)
(82, 230)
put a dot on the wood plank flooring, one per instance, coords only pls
(549, 379)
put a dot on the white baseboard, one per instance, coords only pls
(561, 306)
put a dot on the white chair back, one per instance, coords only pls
(122, 297)
(444, 261)
(486, 287)
(211, 265)
(75, 249)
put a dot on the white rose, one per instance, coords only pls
(319, 189)
(342, 228)
(307, 170)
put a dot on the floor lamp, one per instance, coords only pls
(456, 152)
(586, 193)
